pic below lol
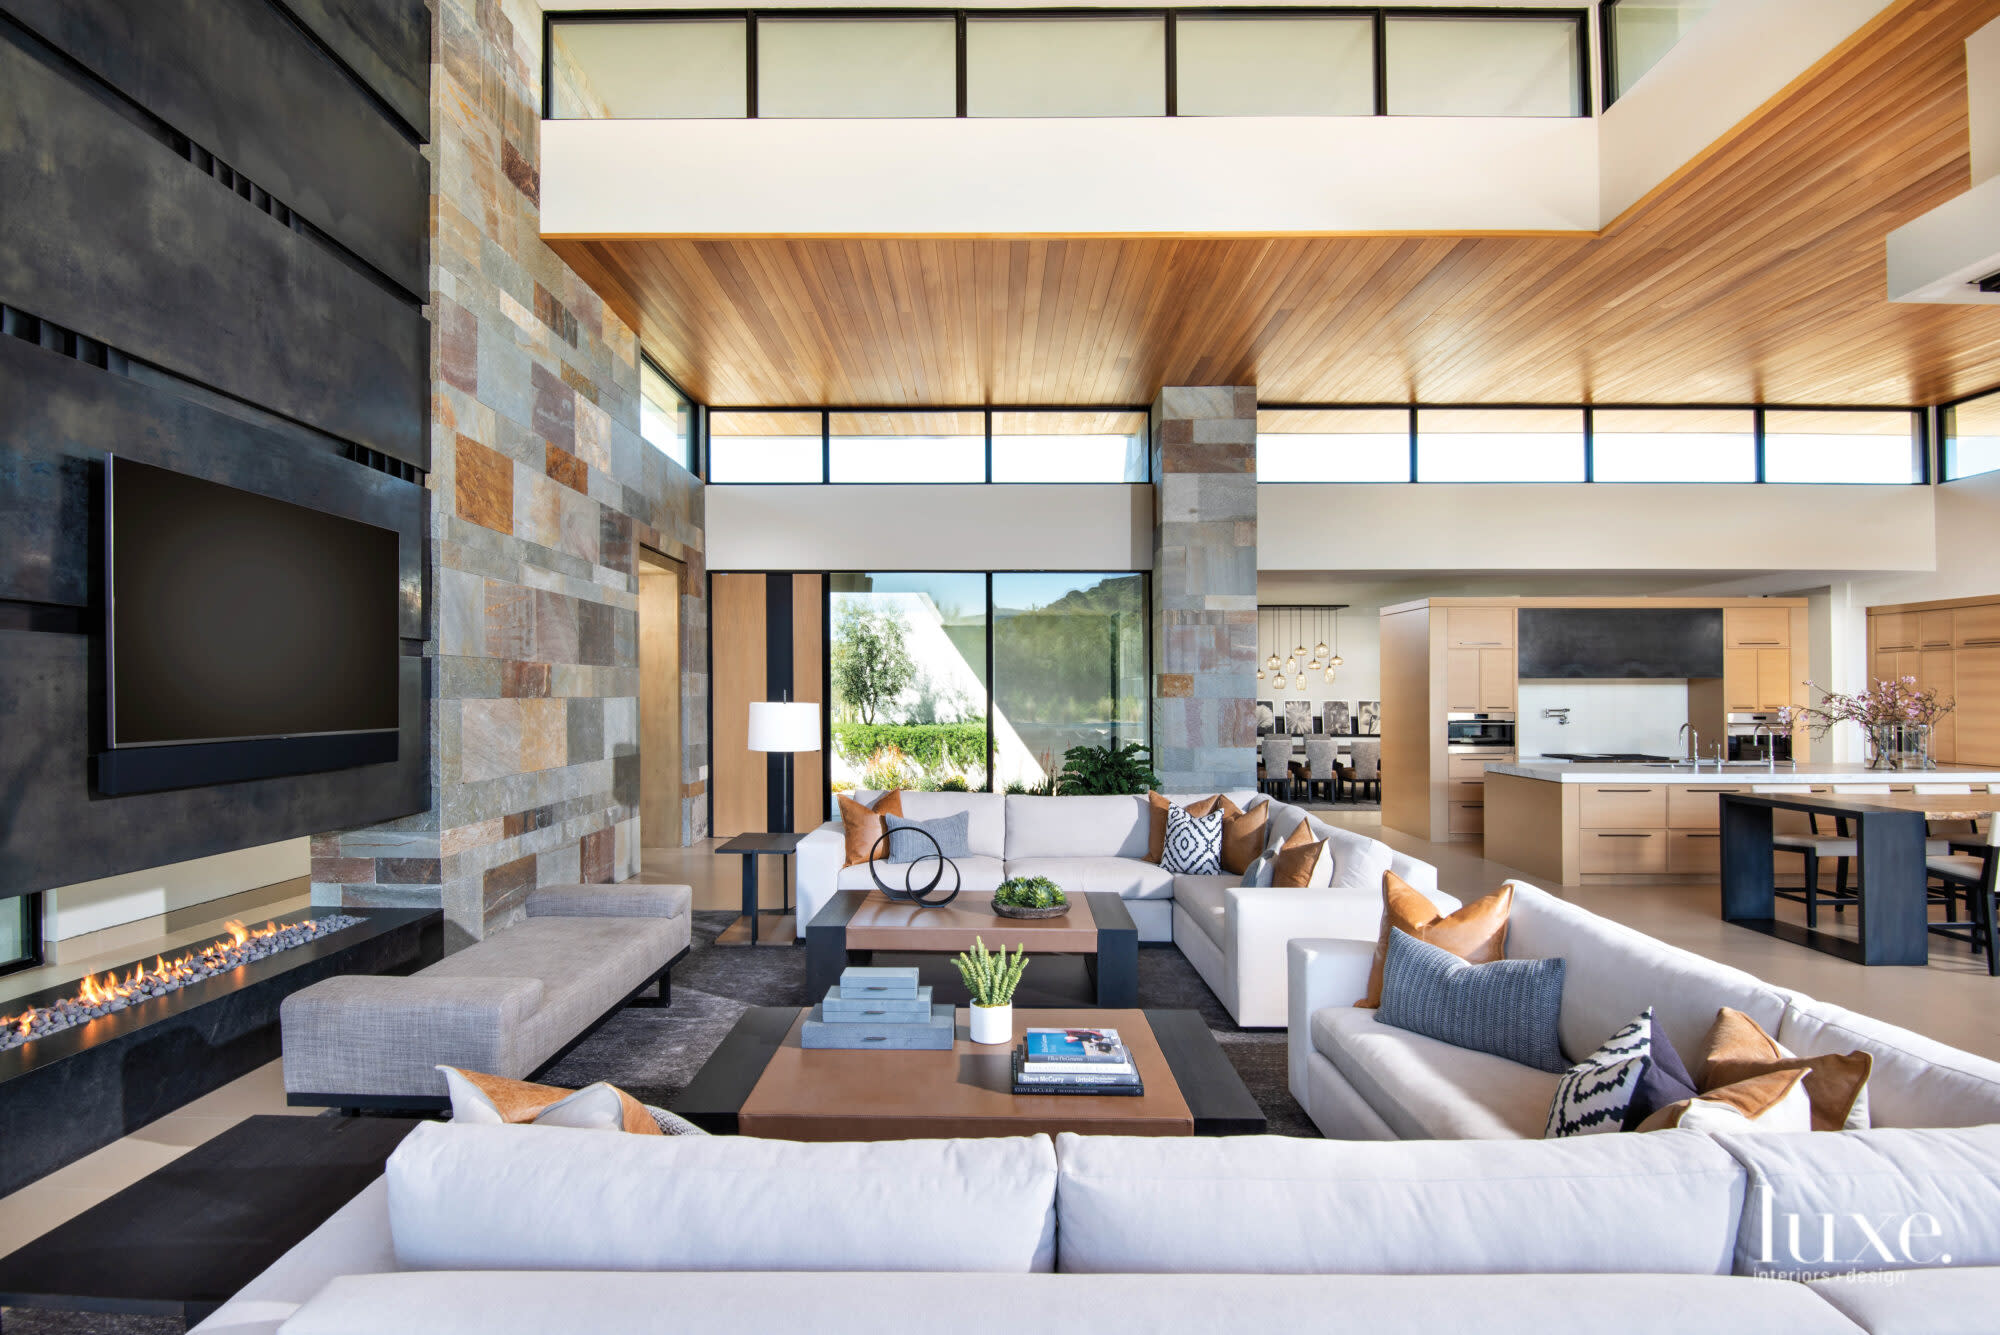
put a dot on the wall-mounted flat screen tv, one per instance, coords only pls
(236, 617)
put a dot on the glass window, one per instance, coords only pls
(666, 418)
(1674, 445)
(907, 661)
(908, 447)
(18, 948)
(1069, 669)
(1266, 66)
(1071, 445)
(1972, 437)
(649, 69)
(764, 447)
(1642, 31)
(1483, 67)
(1842, 447)
(857, 67)
(1333, 445)
(1046, 66)
(1500, 445)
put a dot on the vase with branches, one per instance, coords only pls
(1895, 715)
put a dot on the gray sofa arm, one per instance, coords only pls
(372, 1034)
(622, 899)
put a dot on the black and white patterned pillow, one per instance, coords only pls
(1194, 843)
(1593, 1095)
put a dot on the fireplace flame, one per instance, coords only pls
(142, 981)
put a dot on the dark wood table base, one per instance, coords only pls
(1894, 909)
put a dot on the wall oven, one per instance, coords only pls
(1479, 734)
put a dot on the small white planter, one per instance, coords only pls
(992, 1024)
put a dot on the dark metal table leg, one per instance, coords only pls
(1895, 907)
(750, 893)
(1748, 891)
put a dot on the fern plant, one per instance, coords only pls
(1090, 771)
(991, 978)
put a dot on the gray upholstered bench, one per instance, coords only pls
(510, 1005)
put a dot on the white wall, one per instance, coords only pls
(1604, 717)
(92, 906)
(1591, 527)
(924, 527)
(1740, 56)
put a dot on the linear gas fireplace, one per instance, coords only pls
(86, 1062)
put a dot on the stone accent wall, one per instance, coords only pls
(542, 493)
(1205, 588)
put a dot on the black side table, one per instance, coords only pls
(743, 932)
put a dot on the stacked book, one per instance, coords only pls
(1075, 1061)
(879, 1009)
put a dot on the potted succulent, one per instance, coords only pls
(1029, 897)
(991, 979)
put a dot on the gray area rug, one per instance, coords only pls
(653, 1053)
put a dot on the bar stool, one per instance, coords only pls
(1974, 873)
(1813, 846)
(1941, 834)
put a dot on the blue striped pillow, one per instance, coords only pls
(1508, 1008)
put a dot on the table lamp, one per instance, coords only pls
(784, 726)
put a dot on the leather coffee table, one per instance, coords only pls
(762, 1082)
(854, 925)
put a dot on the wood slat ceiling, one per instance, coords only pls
(1757, 274)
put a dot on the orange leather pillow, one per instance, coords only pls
(1738, 1049)
(1297, 857)
(864, 824)
(1243, 835)
(1156, 844)
(1476, 933)
(1751, 1097)
(519, 1101)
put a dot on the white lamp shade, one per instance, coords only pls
(783, 726)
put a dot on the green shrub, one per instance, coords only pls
(925, 744)
(1094, 772)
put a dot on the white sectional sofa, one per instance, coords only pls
(1361, 1080)
(1235, 936)
(485, 1230)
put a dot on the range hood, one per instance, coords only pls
(1639, 643)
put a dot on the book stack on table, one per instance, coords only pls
(1075, 1061)
(879, 1009)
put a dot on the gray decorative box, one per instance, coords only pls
(841, 1008)
(935, 1034)
(860, 981)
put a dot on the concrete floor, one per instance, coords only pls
(1952, 1000)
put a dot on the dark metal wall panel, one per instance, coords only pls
(59, 418)
(387, 43)
(243, 81)
(115, 236)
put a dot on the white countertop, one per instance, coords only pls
(1808, 772)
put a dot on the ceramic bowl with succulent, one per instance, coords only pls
(1029, 897)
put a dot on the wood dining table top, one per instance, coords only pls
(1931, 806)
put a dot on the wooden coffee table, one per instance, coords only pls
(855, 924)
(762, 1082)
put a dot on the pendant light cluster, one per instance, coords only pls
(1289, 672)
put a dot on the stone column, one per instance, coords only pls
(1205, 588)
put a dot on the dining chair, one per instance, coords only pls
(1972, 870)
(1364, 768)
(1277, 754)
(1323, 767)
(1814, 846)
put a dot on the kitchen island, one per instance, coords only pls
(1594, 823)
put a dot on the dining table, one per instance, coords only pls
(1889, 831)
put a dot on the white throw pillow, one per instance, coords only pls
(1359, 865)
(1594, 1095)
(1193, 845)
(1259, 872)
(1791, 1113)
(1857, 1114)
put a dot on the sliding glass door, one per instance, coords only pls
(1069, 669)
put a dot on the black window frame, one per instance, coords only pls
(826, 444)
(32, 931)
(697, 429)
(1941, 437)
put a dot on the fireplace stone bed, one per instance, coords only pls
(72, 1090)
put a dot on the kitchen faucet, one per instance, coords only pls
(1693, 743)
(1770, 737)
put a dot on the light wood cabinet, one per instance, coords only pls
(1479, 680)
(1468, 818)
(1976, 627)
(1756, 627)
(1461, 679)
(1894, 630)
(1622, 852)
(1622, 807)
(1756, 679)
(1695, 808)
(1498, 669)
(1937, 670)
(1774, 678)
(1936, 630)
(1692, 853)
(1976, 674)
(1479, 628)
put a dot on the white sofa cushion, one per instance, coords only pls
(1077, 827)
(354, 1240)
(871, 1304)
(514, 1198)
(1431, 1090)
(1613, 972)
(1128, 878)
(975, 874)
(1662, 1203)
(1942, 1184)
(1356, 857)
(986, 831)
(1916, 1081)
(1921, 1302)
(1206, 899)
